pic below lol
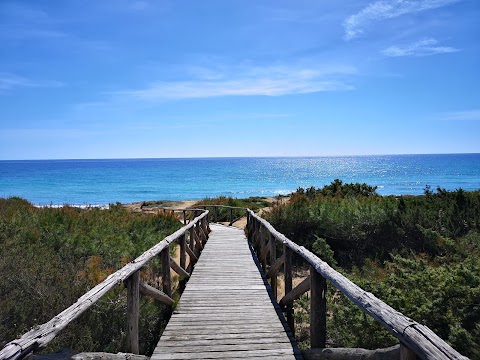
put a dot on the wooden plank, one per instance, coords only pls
(133, 312)
(318, 309)
(275, 267)
(417, 337)
(294, 294)
(166, 276)
(179, 270)
(148, 290)
(391, 353)
(225, 311)
(40, 336)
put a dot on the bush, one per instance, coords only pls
(52, 256)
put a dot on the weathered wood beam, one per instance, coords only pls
(166, 276)
(178, 269)
(391, 353)
(40, 336)
(318, 309)
(417, 337)
(148, 290)
(236, 219)
(273, 257)
(275, 267)
(191, 249)
(183, 256)
(108, 356)
(295, 293)
(133, 312)
(265, 252)
(287, 272)
(192, 255)
(406, 353)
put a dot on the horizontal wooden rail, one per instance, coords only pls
(41, 335)
(231, 208)
(412, 335)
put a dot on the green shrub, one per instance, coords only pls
(52, 256)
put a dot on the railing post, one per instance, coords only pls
(166, 276)
(318, 309)
(406, 353)
(183, 260)
(263, 248)
(184, 217)
(273, 259)
(214, 214)
(287, 269)
(192, 247)
(133, 301)
(256, 229)
(231, 217)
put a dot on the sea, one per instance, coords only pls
(106, 181)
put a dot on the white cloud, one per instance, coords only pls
(424, 47)
(10, 81)
(255, 81)
(466, 115)
(355, 25)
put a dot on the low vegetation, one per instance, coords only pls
(419, 254)
(51, 256)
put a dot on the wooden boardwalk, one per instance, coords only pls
(226, 311)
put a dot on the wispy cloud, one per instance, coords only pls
(355, 25)
(466, 115)
(424, 47)
(10, 81)
(257, 81)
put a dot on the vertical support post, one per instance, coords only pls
(406, 353)
(166, 276)
(273, 258)
(318, 309)
(183, 260)
(287, 270)
(184, 217)
(133, 301)
(231, 217)
(263, 248)
(256, 230)
(192, 247)
(205, 227)
(214, 214)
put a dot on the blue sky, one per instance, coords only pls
(127, 79)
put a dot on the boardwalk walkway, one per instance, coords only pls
(225, 311)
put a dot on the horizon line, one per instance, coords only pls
(238, 157)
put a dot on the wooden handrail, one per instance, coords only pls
(411, 334)
(415, 339)
(41, 335)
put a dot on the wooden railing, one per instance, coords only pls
(188, 214)
(231, 209)
(416, 340)
(191, 238)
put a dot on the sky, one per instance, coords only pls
(163, 78)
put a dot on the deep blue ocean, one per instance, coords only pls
(99, 182)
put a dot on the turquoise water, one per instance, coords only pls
(97, 182)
